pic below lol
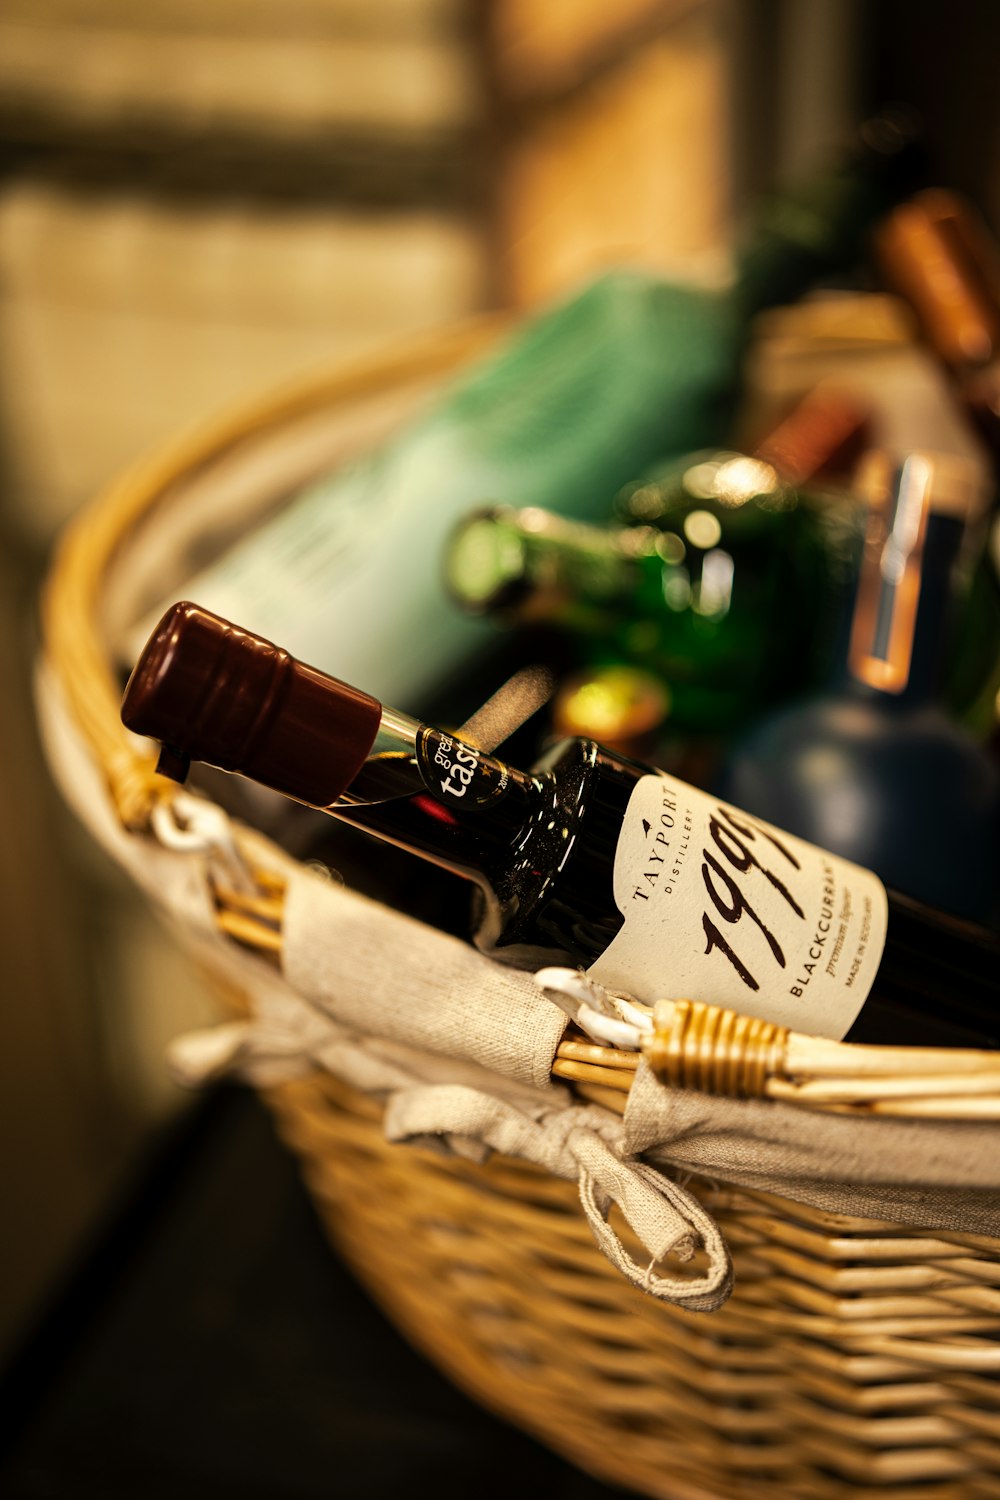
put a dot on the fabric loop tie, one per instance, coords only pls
(579, 1142)
(667, 1220)
(455, 1113)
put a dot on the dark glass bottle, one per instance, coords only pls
(874, 769)
(696, 605)
(717, 556)
(590, 858)
(937, 253)
(819, 226)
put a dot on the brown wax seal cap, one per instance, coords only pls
(209, 691)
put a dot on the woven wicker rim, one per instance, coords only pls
(694, 1045)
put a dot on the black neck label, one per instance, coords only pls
(456, 774)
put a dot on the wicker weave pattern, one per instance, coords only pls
(852, 1353)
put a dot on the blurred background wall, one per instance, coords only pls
(201, 199)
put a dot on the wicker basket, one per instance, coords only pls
(854, 1357)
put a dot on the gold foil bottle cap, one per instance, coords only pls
(620, 706)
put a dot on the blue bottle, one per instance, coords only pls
(875, 770)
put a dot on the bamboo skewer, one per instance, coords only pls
(614, 1099)
(249, 932)
(579, 1072)
(590, 1052)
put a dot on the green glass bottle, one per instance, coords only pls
(730, 596)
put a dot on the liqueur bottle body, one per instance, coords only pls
(654, 887)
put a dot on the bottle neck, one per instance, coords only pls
(211, 691)
(533, 566)
(427, 791)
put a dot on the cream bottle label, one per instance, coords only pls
(721, 907)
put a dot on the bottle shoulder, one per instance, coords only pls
(556, 897)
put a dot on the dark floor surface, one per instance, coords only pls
(212, 1345)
